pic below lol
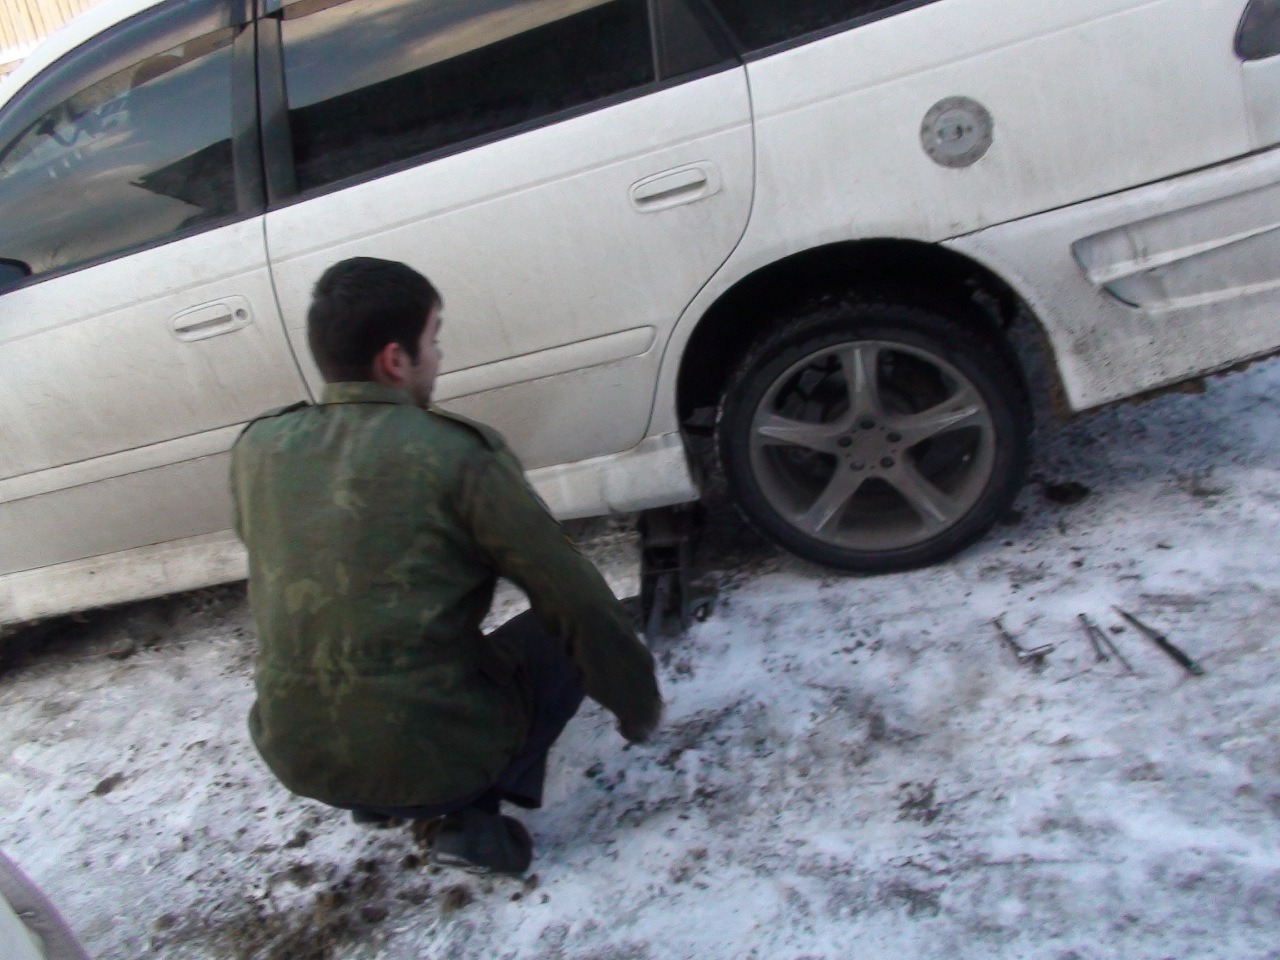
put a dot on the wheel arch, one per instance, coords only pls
(924, 273)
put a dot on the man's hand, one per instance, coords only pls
(639, 731)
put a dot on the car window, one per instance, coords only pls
(1259, 35)
(763, 23)
(373, 82)
(688, 38)
(130, 159)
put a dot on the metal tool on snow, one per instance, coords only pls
(1102, 643)
(1091, 634)
(1034, 656)
(1164, 643)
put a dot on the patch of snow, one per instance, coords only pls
(849, 767)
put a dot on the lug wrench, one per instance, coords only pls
(1034, 656)
(1164, 643)
(1101, 640)
(1091, 634)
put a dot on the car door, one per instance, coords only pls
(138, 327)
(567, 172)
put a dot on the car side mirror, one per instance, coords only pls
(12, 272)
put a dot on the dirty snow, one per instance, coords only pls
(850, 767)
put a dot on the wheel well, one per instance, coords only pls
(922, 273)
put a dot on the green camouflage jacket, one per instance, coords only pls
(376, 531)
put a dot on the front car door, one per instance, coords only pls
(138, 326)
(568, 172)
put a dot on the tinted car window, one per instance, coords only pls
(1259, 35)
(373, 82)
(688, 39)
(762, 23)
(130, 159)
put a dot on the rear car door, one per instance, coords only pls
(569, 173)
(138, 326)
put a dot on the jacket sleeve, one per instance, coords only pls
(521, 541)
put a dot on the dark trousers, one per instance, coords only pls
(553, 688)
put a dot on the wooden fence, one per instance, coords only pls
(24, 23)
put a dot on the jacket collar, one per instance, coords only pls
(363, 391)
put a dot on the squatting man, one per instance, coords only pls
(376, 527)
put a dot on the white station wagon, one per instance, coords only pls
(805, 224)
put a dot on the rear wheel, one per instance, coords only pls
(875, 436)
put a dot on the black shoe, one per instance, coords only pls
(481, 842)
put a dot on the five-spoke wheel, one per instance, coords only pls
(875, 436)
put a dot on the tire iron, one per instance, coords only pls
(1091, 634)
(1034, 656)
(1163, 642)
(1102, 643)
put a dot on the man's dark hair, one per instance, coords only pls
(358, 307)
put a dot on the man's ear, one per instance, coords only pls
(388, 365)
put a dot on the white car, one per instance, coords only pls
(807, 224)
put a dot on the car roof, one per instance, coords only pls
(84, 27)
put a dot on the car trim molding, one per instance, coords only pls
(569, 358)
(67, 476)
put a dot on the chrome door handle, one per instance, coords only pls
(211, 319)
(671, 188)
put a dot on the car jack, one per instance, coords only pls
(667, 538)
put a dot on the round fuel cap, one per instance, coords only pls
(957, 132)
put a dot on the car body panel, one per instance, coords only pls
(1145, 289)
(73, 351)
(543, 256)
(1083, 104)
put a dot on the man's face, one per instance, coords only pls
(420, 376)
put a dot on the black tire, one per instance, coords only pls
(899, 471)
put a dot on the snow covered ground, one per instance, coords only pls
(850, 767)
